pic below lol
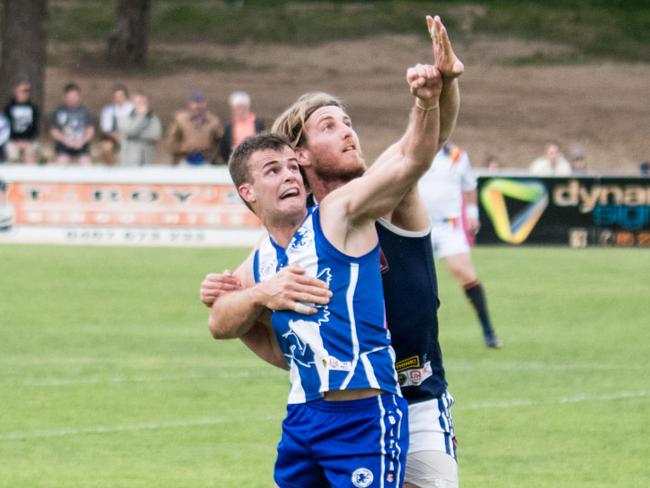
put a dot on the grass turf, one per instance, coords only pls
(108, 376)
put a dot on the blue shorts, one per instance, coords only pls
(355, 444)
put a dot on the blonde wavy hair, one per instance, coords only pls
(291, 124)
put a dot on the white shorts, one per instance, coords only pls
(448, 238)
(431, 460)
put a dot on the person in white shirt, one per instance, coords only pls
(449, 193)
(553, 163)
(110, 114)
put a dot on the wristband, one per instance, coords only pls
(419, 104)
(471, 211)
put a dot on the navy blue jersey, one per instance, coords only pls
(411, 298)
(346, 344)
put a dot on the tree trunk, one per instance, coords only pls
(127, 44)
(24, 47)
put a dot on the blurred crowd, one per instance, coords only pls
(126, 133)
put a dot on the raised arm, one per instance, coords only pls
(365, 199)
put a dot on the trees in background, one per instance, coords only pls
(24, 46)
(128, 43)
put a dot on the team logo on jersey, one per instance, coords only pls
(303, 237)
(517, 229)
(298, 351)
(362, 477)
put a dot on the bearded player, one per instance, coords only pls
(409, 279)
(345, 410)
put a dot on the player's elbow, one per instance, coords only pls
(217, 330)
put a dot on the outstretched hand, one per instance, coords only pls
(425, 83)
(443, 54)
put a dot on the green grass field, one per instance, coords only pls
(108, 376)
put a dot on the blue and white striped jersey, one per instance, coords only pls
(346, 344)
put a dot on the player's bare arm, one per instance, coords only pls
(471, 211)
(260, 338)
(233, 314)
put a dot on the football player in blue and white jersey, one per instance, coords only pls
(345, 413)
(408, 277)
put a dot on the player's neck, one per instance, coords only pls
(321, 188)
(282, 228)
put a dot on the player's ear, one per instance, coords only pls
(302, 154)
(247, 192)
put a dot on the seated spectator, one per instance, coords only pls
(195, 133)
(139, 133)
(109, 137)
(72, 128)
(5, 132)
(244, 123)
(23, 118)
(577, 160)
(553, 163)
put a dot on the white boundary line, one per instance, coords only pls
(19, 436)
(560, 401)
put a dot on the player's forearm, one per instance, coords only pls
(449, 107)
(262, 342)
(233, 314)
(421, 142)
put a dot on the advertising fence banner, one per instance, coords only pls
(173, 206)
(578, 211)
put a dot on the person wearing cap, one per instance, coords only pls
(244, 123)
(578, 160)
(194, 136)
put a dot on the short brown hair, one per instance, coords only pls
(238, 163)
(291, 124)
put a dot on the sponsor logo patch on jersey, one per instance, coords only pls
(415, 376)
(410, 362)
(337, 365)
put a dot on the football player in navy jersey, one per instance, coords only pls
(409, 276)
(342, 365)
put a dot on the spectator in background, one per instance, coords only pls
(23, 118)
(644, 168)
(195, 133)
(243, 123)
(139, 133)
(553, 163)
(72, 128)
(449, 191)
(109, 136)
(5, 132)
(577, 160)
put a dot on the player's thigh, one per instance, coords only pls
(462, 267)
(366, 446)
(295, 466)
(431, 469)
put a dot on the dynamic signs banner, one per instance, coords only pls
(581, 211)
